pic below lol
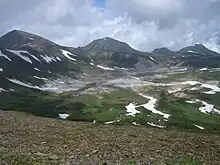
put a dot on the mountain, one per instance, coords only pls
(163, 50)
(199, 56)
(33, 51)
(109, 44)
(25, 56)
(32, 59)
(23, 40)
(198, 49)
(116, 53)
(107, 81)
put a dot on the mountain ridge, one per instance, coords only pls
(105, 43)
(105, 51)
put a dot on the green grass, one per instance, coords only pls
(191, 75)
(104, 107)
(185, 115)
(101, 107)
(182, 161)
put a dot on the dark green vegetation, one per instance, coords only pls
(101, 107)
(185, 116)
(104, 107)
(192, 75)
(183, 161)
(30, 140)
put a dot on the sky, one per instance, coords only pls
(143, 24)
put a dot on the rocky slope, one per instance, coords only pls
(30, 140)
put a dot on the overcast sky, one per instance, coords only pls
(144, 24)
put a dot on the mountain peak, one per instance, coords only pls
(162, 51)
(18, 38)
(199, 46)
(11, 39)
(198, 49)
(17, 33)
(109, 44)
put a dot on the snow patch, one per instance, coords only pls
(191, 51)
(210, 92)
(48, 59)
(11, 90)
(2, 90)
(6, 57)
(214, 88)
(37, 69)
(203, 69)
(24, 84)
(207, 108)
(34, 57)
(175, 90)
(105, 68)
(63, 116)
(155, 125)
(111, 122)
(194, 89)
(152, 58)
(200, 127)
(134, 123)
(18, 53)
(67, 55)
(58, 58)
(131, 110)
(125, 69)
(190, 101)
(40, 78)
(190, 83)
(151, 106)
(184, 69)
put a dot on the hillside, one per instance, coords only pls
(51, 141)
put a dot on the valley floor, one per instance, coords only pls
(30, 140)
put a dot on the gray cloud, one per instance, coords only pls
(144, 24)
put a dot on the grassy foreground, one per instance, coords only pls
(30, 140)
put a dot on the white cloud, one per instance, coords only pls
(144, 24)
